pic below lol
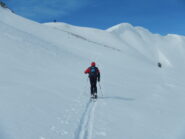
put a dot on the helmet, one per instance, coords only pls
(93, 64)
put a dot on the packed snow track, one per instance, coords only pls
(85, 128)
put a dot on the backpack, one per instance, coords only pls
(93, 72)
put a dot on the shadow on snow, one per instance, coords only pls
(117, 98)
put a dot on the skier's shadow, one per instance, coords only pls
(118, 98)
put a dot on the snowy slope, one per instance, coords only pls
(45, 95)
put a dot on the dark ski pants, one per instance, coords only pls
(93, 82)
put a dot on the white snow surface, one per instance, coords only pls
(44, 93)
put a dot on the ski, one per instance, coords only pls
(94, 98)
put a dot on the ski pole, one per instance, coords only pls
(100, 89)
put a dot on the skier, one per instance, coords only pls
(159, 64)
(94, 75)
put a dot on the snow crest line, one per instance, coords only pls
(85, 39)
(85, 128)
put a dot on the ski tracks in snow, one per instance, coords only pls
(85, 128)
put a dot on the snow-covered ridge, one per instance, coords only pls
(45, 95)
(121, 28)
(126, 27)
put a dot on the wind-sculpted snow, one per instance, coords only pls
(45, 95)
(90, 41)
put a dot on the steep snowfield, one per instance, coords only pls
(45, 95)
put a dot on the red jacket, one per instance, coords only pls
(88, 70)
